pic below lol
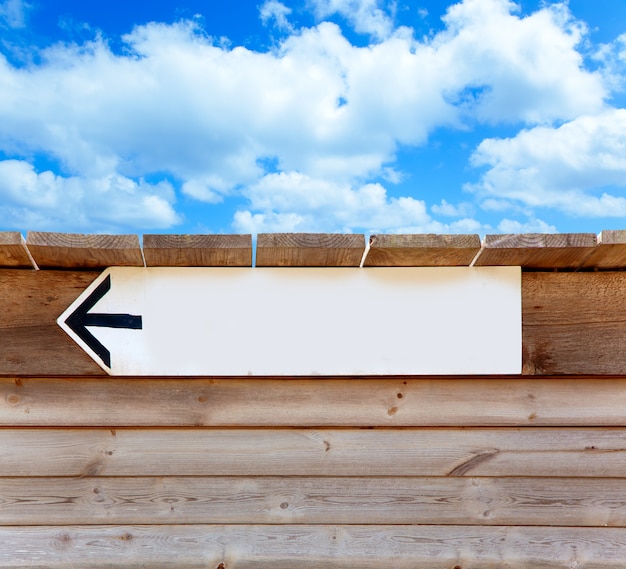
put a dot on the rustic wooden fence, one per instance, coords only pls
(456, 472)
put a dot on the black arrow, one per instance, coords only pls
(80, 318)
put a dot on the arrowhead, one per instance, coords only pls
(81, 318)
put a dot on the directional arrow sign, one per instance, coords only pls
(292, 321)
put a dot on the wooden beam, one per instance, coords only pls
(77, 251)
(311, 547)
(304, 500)
(309, 250)
(537, 250)
(598, 452)
(610, 252)
(197, 250)
(30, 339)
(418, 250)
(323, 402)
(13, 251)
(574, 323)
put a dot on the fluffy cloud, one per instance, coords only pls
(13, 13)
(564, 168)
(328, 115)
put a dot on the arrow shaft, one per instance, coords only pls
(113, 321)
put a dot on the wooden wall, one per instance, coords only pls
(226, 473)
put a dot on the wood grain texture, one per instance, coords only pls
(323, 402)
(77, 251)
(13, 251)
(30, 339)
(418, 250)
(309, 250)
(197, 250)
(598, 452)
(574, 323)
(304, 500)
(610, 252)
(311, 547)
(537, 250)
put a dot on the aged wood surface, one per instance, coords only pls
(30, 339)
(593, 452)
(574, 323)
(13, 251)
(610, 252)
(418, 250)
(305, 500)
(312, 547)
(250, 402)
(309, 250)
(537, 250)
(197, 250)
(77, 251)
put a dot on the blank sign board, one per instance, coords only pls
(301, 321)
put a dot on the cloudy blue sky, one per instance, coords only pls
(246, 116)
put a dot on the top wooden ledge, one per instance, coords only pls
(568, 251)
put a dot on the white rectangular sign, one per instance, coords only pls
(301, 321)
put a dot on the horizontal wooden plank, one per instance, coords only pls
(325, 500)
(598, 452)
(574, 323)
(311, 547)
(30, 339)
(309, 250)
(564, 331)
(610, 252)
(13, 251)
(537, 250)
(250, 402)
(78, 251)
(417, 250)
(197, 250)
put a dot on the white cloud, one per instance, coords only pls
(366, 16)
(530, 226)
(273, 10)
(451, 210)
(565, 168)
(13, 13)
(176, 104)
(56, 203)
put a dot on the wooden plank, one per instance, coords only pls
(197, 250)
(417, 250)
(30, 339)
(574, 323)
(76, 251)
(598, 452)
(312, 547)
(537, 250)
(309, 250)
(13, 251)
(323, 402)
(325, 500)
(610, 252)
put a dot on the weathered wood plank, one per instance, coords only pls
(574, 323)
(419, 250)
(564, 331)
(77, 251)
(30, 339)
(598, 452)
(537, 250)
(13, 251)
(345, 402)
(311, 547)
(197, 250)
(304, 500)
(309, 250)
(610, 252)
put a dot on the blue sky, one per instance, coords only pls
(370, 116)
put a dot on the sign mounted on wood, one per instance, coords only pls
(301, 321)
